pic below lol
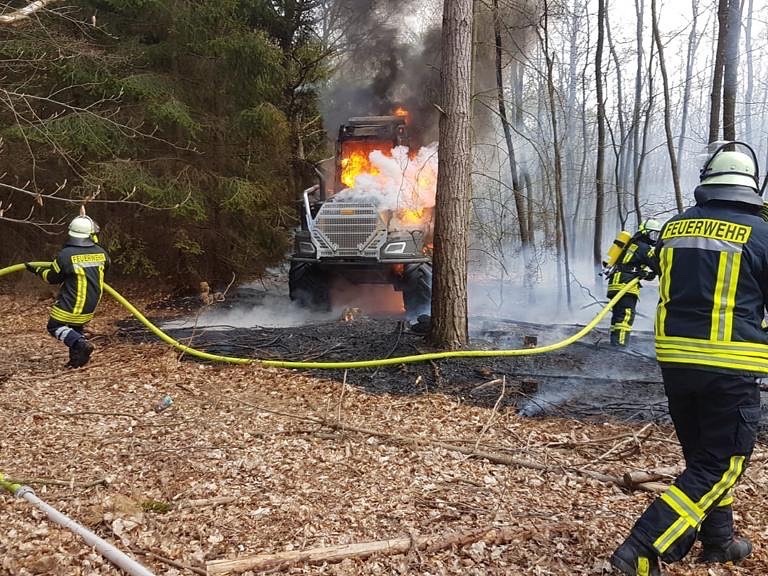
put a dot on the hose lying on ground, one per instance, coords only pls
(118, 558)
(342, 365)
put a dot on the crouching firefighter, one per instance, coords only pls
(634, 260)
(79, 268)
(713, 267)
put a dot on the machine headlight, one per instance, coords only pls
(394, 248)
(306, 248)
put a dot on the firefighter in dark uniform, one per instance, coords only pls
(713, 290)
(634, 261)
(79, 268)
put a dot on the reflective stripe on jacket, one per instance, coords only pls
(713, 289)
(80, 271)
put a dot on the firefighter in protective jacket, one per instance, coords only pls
(635, 260)
(713, 291)
(79, 268)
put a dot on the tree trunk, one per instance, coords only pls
(730, 72)
(667, 106)
(449, 292)
(619, 149)
(516, 188)
(637, 108)
(748, 104)
(560, 208)
(597, 247)
(717, 73)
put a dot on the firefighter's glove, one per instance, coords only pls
(647, 274)
(34, 269)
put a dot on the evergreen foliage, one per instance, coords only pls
(193, 106)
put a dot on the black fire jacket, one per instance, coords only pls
(637, 256)
(713, 289)
(79, 268)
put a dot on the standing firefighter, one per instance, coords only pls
(79, 268)
(634, 260)
(713, 290)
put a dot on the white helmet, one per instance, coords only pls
(82, 227)
(730, 175)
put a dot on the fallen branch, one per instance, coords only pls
(168, 561)
(361, 550)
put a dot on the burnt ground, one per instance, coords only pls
(252, 460)
(588, 379)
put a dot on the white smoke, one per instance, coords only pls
(397, 182)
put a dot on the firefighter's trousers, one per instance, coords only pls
(622, 318)
(715, 417)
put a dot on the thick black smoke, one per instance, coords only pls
(386, 65)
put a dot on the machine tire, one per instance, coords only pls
(308, 286)
(417, 289)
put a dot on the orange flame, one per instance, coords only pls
(355, 160)
(400, 111)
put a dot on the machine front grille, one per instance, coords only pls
(350, 228)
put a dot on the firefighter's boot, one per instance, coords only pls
(734, 551)
(79, 353)
(634, 559)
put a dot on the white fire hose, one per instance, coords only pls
(118, 558)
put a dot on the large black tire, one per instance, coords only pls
(308, 286)
(417, 290)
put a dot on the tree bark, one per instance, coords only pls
(717, 73)
(730, 71)
(449, 292)
(597, 247)
(667, 108)
(637, 108)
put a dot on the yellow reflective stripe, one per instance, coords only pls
(643, 566)
(684, 506)
(629, 254)
(665, 262)
(45, 274)
(56, 267)
(717, 297)
(730, 300)
(726, 501)
(698, 344)
(101, 284)
(683, 523)
(727, 481)
(68, 317)
(82, 287)
(706, 359)
(670, 536)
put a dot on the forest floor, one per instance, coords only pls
(251, 460)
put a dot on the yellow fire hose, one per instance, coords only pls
(350, 364)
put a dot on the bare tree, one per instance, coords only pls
(449, 293)
(693, 42)
(667, 108)
(516, 187)
(750, 74)
(717, 72)
(597, 247)
(730, 71)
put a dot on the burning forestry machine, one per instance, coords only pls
(355, 238)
